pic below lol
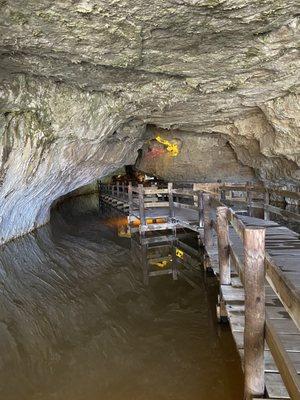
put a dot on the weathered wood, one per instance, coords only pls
(182, 193)
(286, 214)
(283, 361)
(157, 204)
(154, 190)
(236, 223)
(171, 200)
(157, 227)
(254, 273)
(266, 203)
(223, 245)
(174, 261)
(208, 240)
(200, 208)
(284, 288)
(142, 205)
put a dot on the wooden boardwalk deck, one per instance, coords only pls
(283, 245)
(282, 284)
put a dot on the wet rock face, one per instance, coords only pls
(81, 79)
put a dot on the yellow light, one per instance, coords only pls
(172, 148)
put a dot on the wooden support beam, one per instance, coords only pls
(200, 208)
(254, 334)
(266, 204)
(249, 198)
(142, 205)
(223, 246)
(208, 240)
(171, 200)
(174, 261)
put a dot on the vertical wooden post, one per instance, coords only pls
(171, 200)
(118, 189)
(144, 246)
(142, 204)
(223, 195)
(223, 246)
(174, 242)
(249, 198)
(254, 334)
(130, 204)
(200, 208)
(207, 220)
(266, 204)
(174, 260)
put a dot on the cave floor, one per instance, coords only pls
(77, 323)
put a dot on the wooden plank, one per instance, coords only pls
(283, 361)
(154, 190)
(275, 386)
(236, 223)
(289, 295)
(156, 204)
(157, 227)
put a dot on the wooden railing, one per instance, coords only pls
(256, 196)
(253, 269)
(210, 200)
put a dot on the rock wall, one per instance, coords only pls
(201, 158)
(54, 140)
(82, 79)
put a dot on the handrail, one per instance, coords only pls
(253, 269)
(288, 294)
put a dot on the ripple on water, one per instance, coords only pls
(77, 323)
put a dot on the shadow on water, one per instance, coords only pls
(77, 323)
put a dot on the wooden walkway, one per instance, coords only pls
(271, 355)
(283, 245)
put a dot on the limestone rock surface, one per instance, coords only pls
(81, 80)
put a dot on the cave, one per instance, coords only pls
(105, 107)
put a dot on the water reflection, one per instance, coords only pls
(76, 323)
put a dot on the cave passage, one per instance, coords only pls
(77, 322)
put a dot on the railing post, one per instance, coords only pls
(223, 195)
(144, 246)
(200, 207)
(249, 198)
(266, 204)
(142, 205)
(171, 200)
(123, 191)
(223, 246)
(118, 189)
(174, 242)
(254, 333)
(207, 220)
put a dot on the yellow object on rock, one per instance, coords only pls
(172, 148)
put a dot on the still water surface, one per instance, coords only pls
(77, 324)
